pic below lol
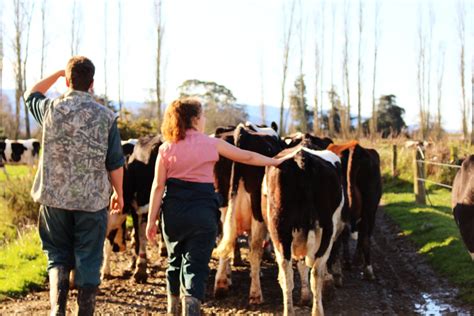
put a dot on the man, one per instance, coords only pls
(81, 159)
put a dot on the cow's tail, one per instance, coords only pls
(225, 249)
(338, 149)
(349, 177)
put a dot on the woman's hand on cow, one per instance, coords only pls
(279, 160)
(116, 203)
(151, 229)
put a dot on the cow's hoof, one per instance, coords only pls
(338, 280)
(347, 265)
(164, 252)
(237, 261)
(140, 274)
(140, 277)
(106, 276)
(221, 292)
(255, 299)
(369, 273)
(305, 300)
(132, 264)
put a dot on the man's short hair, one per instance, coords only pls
(80, 73)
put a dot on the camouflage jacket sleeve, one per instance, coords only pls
(37, 104)
(115, 158)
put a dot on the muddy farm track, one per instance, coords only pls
(405, 285)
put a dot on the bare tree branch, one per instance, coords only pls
(119, 61)
(106, 101)
(159, 32)
(346, 119)
(377, 27)
(75, 28)
(286, 51)
(43, 37)
(461, 18)
(440, 73)
(359, 66)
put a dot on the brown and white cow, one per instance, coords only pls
(302, 200)
(243, 214)
(463, 202)
(363, 188)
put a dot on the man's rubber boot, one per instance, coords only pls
(58, 289)
(86, 301)
(191, 306)
(173, 305)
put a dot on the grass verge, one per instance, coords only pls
(22, 265)
(434, 232)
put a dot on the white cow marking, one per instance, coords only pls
(265, 130)
(327, 155)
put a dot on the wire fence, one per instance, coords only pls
(420, 178)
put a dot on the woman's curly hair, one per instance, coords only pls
(179, 118)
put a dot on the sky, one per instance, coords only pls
(239, 44)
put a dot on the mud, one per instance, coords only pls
(404, 284)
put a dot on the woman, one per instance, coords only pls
(190, 214)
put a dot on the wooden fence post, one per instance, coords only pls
(453, 153)
(419, 173)
(394, 160)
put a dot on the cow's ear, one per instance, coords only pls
(219, 131)
(36, 148)
(274, 126)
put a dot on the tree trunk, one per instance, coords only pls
(43, 37)
(106, 101)
(119, 62)
(159, 31)
(359, 72)
(286, 52)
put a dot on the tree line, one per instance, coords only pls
(334, 118)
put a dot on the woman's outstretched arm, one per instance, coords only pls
(245, 156)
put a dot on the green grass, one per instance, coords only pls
(14, 195)
(14, 172)
(434, 232)
(22, 265)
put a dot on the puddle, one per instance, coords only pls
(432, 306)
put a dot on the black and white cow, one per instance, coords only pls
(296, 138)
(19, 152)
(137, 188)
(128, 146)
(363, 189)
(302, 201)
(137, 182)
(463, 202)
(243, 214)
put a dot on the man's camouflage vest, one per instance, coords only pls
(71, 172)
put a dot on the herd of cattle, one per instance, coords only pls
(308, 207)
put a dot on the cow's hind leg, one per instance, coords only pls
(364, 240)
(285, 269)
(257, 238)
(105, 271)
(304, 276)
(223, 278)
(140, 275)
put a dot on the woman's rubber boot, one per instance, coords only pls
(173, 305)
(191, 306)
(86, 301)
(58, 289)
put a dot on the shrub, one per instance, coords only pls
(137, 128)
(20, 206)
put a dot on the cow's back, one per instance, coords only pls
(463, 202)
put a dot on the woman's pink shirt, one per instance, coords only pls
(191, 159)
